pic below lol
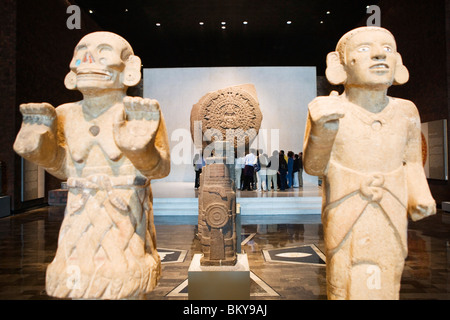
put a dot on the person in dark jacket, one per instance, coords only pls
(282, 169)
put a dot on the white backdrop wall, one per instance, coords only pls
(283, 94)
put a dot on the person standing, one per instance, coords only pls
(250, 161)
(261, 175)
(295, 171)
(272, 169)
(199, 163)
(300, 170)
(238, 167)
(282, 169)
(290, 172)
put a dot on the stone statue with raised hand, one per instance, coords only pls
(109, 147)
(367, 147)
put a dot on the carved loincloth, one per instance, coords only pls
(348, 193)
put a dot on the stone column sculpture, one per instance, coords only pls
(222, 122)
(108, 146)
(367, 147)
(217, 214)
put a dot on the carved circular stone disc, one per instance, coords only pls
(216, 215)
(232, 114)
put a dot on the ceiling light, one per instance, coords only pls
(328, 12)
(223, 27)
(223, 23)
(321, 22)
(158, 24)
(245, 22)
(201, 23)
(126, 10)
(289, 22)
(90, 11)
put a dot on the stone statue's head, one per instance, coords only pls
(103, 60)
(366, 57)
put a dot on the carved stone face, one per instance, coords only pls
(370, 59)
(98, 61)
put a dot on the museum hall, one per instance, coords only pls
(119, 178)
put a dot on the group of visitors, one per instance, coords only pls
(258, 171)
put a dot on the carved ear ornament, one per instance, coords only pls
(401, 75)
(335, 71)
(132, 72)
(70, 80)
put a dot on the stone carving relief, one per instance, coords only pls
(217, 214)
(233, 113)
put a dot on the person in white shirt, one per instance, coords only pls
(239, 165)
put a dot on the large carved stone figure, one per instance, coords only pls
(108, 146)
(367, 146)
(229, 120)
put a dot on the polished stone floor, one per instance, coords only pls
(28, 244)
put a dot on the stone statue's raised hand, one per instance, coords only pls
(135, 128)
(36, 140)
(325, 112)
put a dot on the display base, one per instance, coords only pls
(219, 282)
(5, 206)
(446, 206)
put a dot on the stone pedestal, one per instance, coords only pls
(5, 206)
(219, 282)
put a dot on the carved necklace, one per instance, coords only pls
(94, 130)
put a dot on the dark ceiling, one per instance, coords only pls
(265, 40)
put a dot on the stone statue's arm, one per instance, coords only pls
(37, 140)
(140, 133)
(420, 201)
(321, 128)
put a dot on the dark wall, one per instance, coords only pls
(36, 51)
(422, 32)
(8, 37)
